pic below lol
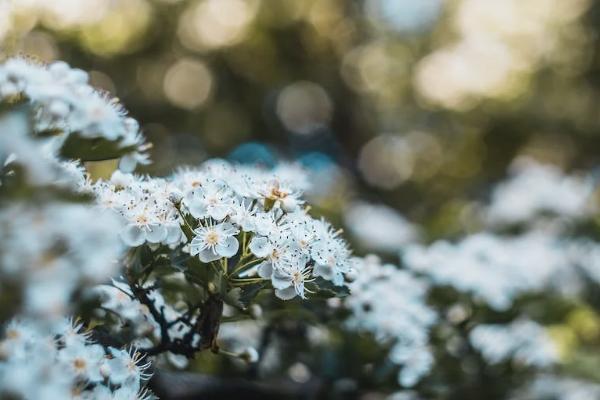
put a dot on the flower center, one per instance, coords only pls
(276, 193)
(212, 238)
(297, 277)
(12, 334)
(275, 254)
(79, 364)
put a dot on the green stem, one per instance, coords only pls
(244, 244)
(241, 267)
(244, 282)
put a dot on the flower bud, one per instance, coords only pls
(175, 197)
(249, 354)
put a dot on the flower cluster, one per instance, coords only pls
(60, 361)
(54, 243)
(64, 102)
(293, 248)
(223, 205)
(523, 341)
(51, 250)
(390, 303)
(144, 205)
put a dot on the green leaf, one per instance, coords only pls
(249, 292)
(233, 298)
(326, 289)
(92, 149)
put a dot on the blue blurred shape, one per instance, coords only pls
(316, 161)
(405, 15)
(254, 153)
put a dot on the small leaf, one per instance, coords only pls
(249, 292)
(233, 298)
(326, 289)
(92, 149)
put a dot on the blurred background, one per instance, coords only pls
(405, 112)
(416, 104)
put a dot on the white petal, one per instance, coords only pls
(196, 245)
(260, 246)
(156, 233)
(133, 235)
(197, 208)
(229, 248)
(286, 294)
(338, 279)
(265, 269)
(219, 212)
(324, 271)
(208, 255)
(280, 280)
(173, 234)
(289, 204)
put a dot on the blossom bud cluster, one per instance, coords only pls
(390, 304)
(60, 361)
(237, 212)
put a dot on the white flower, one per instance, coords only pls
(127, 367)
(143, 229)
(215, 241)
(244, 216)
(260, 246)
(281, 193)
(84, 361)
(331, 260)
(210, 200)
(288, 278)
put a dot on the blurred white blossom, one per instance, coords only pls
(534, 189)
(378, 227)
(523, 341)
(40, 361)
(495, 269)
(51, 250)
(390, 304)
(64, 102)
